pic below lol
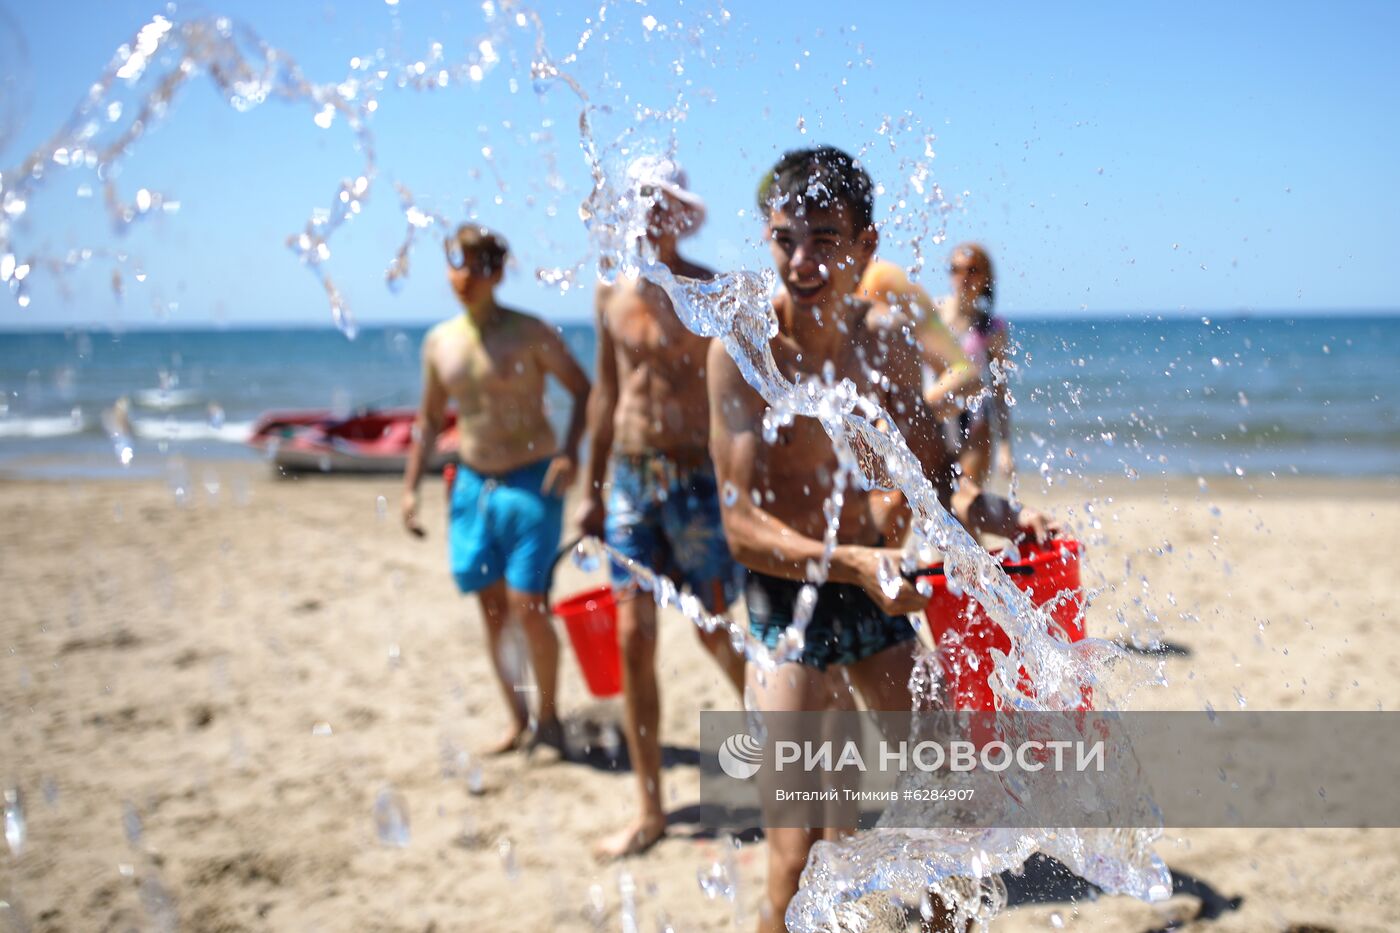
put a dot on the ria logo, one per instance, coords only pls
(740, 756)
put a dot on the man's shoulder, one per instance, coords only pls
(696, 270)
(882, 277)
(883, 317)
(529, 322)
(441, 328)
(720, 366)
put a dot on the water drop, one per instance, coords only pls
(16, 828)
(131, 825)
(890, 581)
(506, 850)
(585, 558)
(717, 881)
(731, 494)
(391, 817)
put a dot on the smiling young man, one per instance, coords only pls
(818, 206)
(508, 498)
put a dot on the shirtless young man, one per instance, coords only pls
(508, 498)
(818, 205)
(649, 420)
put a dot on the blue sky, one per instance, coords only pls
(1181, 158)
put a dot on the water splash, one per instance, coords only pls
(735, 308)
(139, 89)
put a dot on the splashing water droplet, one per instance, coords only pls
(506, 850)
(16, 827)
(717, 881)
(586, 558)
(131, 825)
(391, 818)
(890, 581)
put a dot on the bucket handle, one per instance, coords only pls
(558, 556)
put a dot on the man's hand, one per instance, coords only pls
(1036, 526)
(560, 475)
(870, 565)
(592, 514)
(409, 508)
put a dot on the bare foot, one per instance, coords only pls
(514, 738)
(634, 840)
(547, 736)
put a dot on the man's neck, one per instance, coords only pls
(668, 252)
(484, 312)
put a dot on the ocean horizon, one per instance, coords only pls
(1174, 394)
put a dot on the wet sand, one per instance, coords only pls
(221, 670)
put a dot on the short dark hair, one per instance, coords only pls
(485, 244)
(824, 177)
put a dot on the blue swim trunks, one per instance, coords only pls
(666, 517)
(846, 624)
(503, 526)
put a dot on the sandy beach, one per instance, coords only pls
(203, 690)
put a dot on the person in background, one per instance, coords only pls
(949, 378)
(649, 422)
(507, 499)
(984, 426)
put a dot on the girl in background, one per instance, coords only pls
(984, 425)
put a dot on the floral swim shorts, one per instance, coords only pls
(667, 517)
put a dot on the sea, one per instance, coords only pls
(1132, 396)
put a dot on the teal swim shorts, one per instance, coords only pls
(503, 526)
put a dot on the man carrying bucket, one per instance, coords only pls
(818, 207)
(648, 419)
(507, 497)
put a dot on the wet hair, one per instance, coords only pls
(487, 245)
(824, 177)
(978, 254)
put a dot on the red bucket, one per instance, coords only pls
(590, 618)
(965, 635)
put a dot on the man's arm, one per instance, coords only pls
(1000, 411)
(979, 512)
(426, 428)
(957, 377)
(602, 407)
(556, 360)
(757, 539)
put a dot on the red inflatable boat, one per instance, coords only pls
(371, 441)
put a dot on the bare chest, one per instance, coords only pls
(477, 366)
(645, 329)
